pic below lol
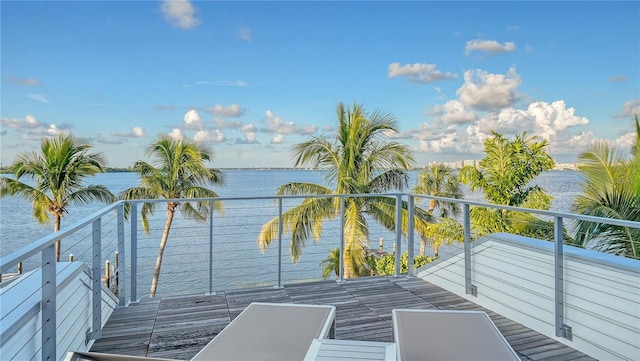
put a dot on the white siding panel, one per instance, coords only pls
(514, 276)
(21, 333)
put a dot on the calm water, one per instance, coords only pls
(235, 255)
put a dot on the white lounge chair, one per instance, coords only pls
(448, 335)
(263, 331)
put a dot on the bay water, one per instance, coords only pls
(237, 262)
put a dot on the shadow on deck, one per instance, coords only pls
(178, 327)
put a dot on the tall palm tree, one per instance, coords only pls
(438, 180)
(610, 188)
(179, 172)
(58, 171)
(504, 176)
(360, 160)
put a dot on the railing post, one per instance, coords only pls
(562, 330)
(49, 303)
(470, 289)
(211, 247)
(410, 226)
(121, 268)
(280, 225)
(398, 233)
(96, 286)
(341, 271)
(134, 251)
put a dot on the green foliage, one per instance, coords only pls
(386, 264)
(58, 171)
(439, 180)
(179, 172)
(504, 175)
(359, 160)
(611, 189)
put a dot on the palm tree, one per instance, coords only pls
(504, 175)
(359, 161)
(610, 188)
(438, 180)
(58, 171)
(179, 172)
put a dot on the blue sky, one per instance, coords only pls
(254, 78)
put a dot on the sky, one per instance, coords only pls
(252, 79)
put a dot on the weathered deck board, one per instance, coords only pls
(179, 327)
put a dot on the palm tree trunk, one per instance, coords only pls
(349, 271)
(423, 246)
(56, 228)
(163, 243)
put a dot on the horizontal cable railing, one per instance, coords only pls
(222, 253)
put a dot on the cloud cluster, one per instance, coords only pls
(419, 73)
(485, 91)
(215, 130)
(488, 46)
(179, 13)
(32, 129)
(23, 81)
(486, 102)
(136, 132)
(244, 33)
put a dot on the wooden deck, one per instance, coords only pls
(178, 327)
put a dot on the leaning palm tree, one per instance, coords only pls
(610, 188)
(58, 171)
(360, 160)
(179, 172)
(438, 180)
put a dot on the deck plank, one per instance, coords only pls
(178, 327)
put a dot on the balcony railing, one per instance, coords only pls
(221, 253)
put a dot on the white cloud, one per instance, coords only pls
(24, 81)
(238, 83)
(454, 112)
(249, 133)
(215, 136)
(227, 124)
(28, 122)
(244, 33)
(485, 91)
(419, 73)
(632, 107)
(180, 13)
(176, 134)
(38, 97)
(277, 125)
(488, 46)
(233, 110)
(580, 140)
(45, 132)
(551, 118)
(192, 119)
(139, 132)
(136, 132)
(277, 139)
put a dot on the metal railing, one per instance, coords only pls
(221, 252)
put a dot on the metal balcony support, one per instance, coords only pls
(470, 288)
(341, 280)
(96, 284)
(410, 226)
(280, 229)
(134, 251)
(562, 330)
(211, 248)
(121, 270)
(398, 233)
(49, 303)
